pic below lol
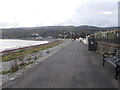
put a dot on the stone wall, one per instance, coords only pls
(7, 65)
(41, 55)
(84, 40)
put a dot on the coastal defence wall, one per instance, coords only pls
(35, 58)
(30, 57)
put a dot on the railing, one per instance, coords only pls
(109, 40)
(108, 36)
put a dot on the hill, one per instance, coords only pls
(54, 31)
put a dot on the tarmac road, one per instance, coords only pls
(71, 67)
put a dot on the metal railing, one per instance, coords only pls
(108, 36)
(109, 40)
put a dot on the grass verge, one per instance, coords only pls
(6, 72)
(22, 53)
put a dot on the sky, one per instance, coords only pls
(35, 13)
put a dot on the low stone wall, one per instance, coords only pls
(103, 47)
(84, 40)
(7, 65)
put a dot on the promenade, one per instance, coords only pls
(71, 67)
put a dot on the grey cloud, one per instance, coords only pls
(91, 14)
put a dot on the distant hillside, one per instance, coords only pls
(113, 27)
(54, 31)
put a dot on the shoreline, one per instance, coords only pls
(26, 47)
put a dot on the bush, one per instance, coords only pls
(6, 72)
(15, 68)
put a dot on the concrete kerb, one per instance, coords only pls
(7, 78)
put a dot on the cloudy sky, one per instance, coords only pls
(31, 13)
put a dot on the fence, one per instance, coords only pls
(109, 36)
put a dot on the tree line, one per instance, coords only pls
(54, 31)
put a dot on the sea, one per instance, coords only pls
(8, 44)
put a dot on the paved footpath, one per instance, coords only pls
(71, 67)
